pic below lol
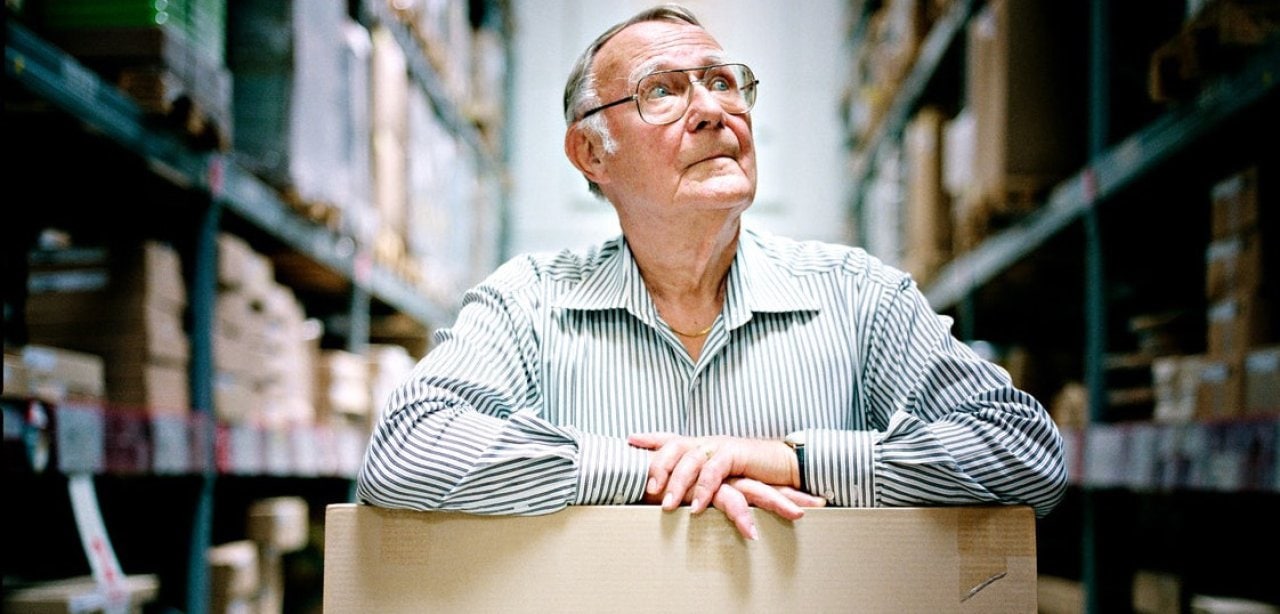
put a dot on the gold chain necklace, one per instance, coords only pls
(700, 333)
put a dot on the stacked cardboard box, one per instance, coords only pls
(54, 375)
(344, 407)
(168, 56)
(300, 104)
(1239, 317)
(1239, 374)
(244, 277)
(1024, 89)
(928, 207)
(264, 348)
(124, 303)
(894, 32)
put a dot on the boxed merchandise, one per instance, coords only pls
(239, 266)
(342, 385)
(146, 333)
(1238, 322)
(158, 389)
(928, 210)
(1059, 595)
(1262, 381)
(233, 576)
(279, 523)
(1235, 204)
(1218, 395)
(79, 283)
(1233, 265)
(1175, 381)
(1024, 96)
(56, 374)
(641, 559)
(294, 103)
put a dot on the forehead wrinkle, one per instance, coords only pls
(658, 64)
(658, 42)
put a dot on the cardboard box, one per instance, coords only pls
(155, 389)
(928, 210)
(641, 559)
(1060, 596)
(57, 374)
(1220, 389)
(233, 571)
(1235, 204)
(1234, 265)
(1237, 323)
(1262, 381)
(1024, 94)
(145, 333)
(123, 276)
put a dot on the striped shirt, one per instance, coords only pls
(524, 405)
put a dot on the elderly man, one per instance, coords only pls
(691, 361)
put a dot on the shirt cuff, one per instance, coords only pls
(610, 471)
(840, 467)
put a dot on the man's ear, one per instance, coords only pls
(585, 152)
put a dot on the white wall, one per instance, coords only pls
(794, 49)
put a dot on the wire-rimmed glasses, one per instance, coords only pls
(663, 96)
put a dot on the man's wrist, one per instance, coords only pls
(796, 441)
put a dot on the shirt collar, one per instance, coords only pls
(757, 283)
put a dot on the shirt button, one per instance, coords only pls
(828, 495)
(619, 500)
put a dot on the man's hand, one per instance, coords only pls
(733, 474)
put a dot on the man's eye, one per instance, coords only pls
(720, 84)
(659, 91)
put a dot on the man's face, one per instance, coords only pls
(704, 160)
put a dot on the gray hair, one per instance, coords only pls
(580, 91)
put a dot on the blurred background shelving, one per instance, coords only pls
(241, 221)
(1088, 190)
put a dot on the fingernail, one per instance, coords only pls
(667, 500)
(694, 504)
(755, 533)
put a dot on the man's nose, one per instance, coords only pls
(704, 109)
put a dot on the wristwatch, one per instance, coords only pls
(796, 441)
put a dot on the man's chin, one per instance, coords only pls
(729, 188)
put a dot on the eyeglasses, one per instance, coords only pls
(662, 97)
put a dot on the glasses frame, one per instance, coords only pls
(635, 97)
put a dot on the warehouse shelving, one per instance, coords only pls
(98, 141)
(1113, 239)
(1105, 176)
(63, 81)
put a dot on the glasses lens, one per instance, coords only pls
(663, 97)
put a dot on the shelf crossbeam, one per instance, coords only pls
(1107, 174)
(71, 86)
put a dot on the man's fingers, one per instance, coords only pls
(716, 465)
(661, 462)
(769, 498)
(729, 500)
(650, 441)
(801, 498)
(682, 477)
